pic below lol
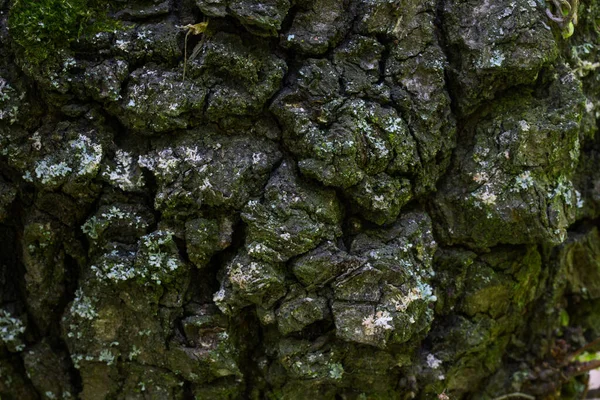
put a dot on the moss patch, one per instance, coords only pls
(43, 26)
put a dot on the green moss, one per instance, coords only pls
(43, 26)
(527, 273)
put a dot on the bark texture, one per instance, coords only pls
(342, 199)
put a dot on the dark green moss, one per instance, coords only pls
(41, 27)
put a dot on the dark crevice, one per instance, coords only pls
(13, 293)
(250, 340)
(383, 61)
(450, 84)
(152, 190)
(583, 226)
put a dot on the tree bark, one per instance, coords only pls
(338, 199)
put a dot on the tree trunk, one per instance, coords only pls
(299, 199)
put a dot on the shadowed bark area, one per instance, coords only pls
(338, 199)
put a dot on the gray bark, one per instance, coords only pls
(338, 199)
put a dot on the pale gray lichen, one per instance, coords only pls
(336, 371)
(9, 102)
(376, 321)
(524, 181)
(565, 190)
(11, 329)
(433, 362)
(89, 227)
(156, 261)
(83, 306)
(247, 282)
(47, 172)
(209, 169)
(87, 155)
(97, 224)
(422, 291)
(135, 351)
(80, 158)
(158, 100)
(116, 266)
(107, 356)
(124, 173)
(153, 244)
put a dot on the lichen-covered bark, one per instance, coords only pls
(342, 199)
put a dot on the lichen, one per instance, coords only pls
(11, 329)
(107, 357)
(124, 173)
(370, 199)
(9, 102)
(80, 158)
(83, 306)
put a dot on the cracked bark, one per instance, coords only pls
(342, 199)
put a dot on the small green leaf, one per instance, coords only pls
(568, 32)
(564, 318)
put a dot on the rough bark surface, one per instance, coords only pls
(342, 199)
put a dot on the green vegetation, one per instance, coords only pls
(43, 26)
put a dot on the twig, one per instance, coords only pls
(514, 396)
(583, 349)
(582, 368)
(185, 53)
(560, 18)
(196, 29)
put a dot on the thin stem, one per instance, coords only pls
(514, 396)
(588, 346)
(185, 52)
(585, 367)
(587, 388)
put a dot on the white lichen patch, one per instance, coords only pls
(433, 362)
(48, 173)
(87, 155)
(524, 126)
(124, 173)
(11, 329)
(156, 99)
(219, 296)
(9, 102)
(336, 371)
(6, 91)
(116, 267)
(490, 58)
(98, 223)
(377, 322)
(420, 292)
(89, 228)
(481, 177)
(484, 196)
(578, 199)
(242, 276)
(523, 181)
(163, 164)
(480, 155)
(80, 158)
(564, 189)
(82, 306)
(107, 357)
(135, 351)
(157, 258)
(247, 281)
(76, 359)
